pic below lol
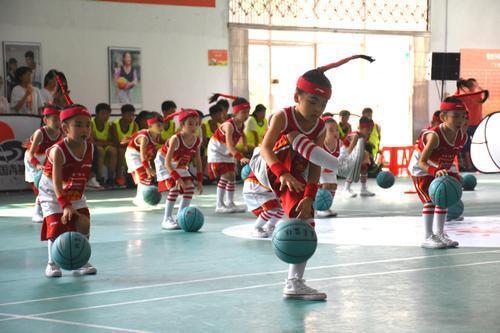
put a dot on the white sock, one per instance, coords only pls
(428, 216)
(262, 219)
(170, 203)
(50, 243)
(276, 215)
(297, 270)
(440, 218)
(186, 197)
(314, 153)
(221, 191)
(230, 187)
(347, 185)
(363, 179)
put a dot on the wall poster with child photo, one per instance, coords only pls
(124, 77)
(21, 54)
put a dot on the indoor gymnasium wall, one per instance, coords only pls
(174, 40)
(471, 24)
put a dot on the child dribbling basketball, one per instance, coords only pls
(172, 163)
(62, 186)
(433, 157)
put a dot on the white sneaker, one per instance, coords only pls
(326, 213)
(296, 288)
(223, 209)
(365, 193)
(37, 214)
(93, 184)
(170, 224)
(446, 240)
(234, 208)
(269, 228)
(259, 233)
(349, 193)
(87, 269)
(52, 270)
(433, 242)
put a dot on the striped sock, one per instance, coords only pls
(186, 197)
(314, 153)
(440, 218)
(169, 204)
(230, 187)
(264, 216)
(276, 215)
(428, 216)
(221, 191)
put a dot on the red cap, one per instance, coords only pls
(72, 111)
(450, 106)
(51, 110)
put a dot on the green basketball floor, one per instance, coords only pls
(151, 280)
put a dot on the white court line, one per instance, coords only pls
(75, 323)
(227, 277)
(221, 291)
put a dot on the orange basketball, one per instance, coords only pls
(122, 82)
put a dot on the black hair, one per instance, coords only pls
(142, 115)
(214, 109)
(124, 53)
(167, 105)
(12, 61)
(102, 107)
(127, 108)
(239, 101)
(223, 103)
(20, 71)
(436, 113)
(367, 110)
(260, 108)
(365, 120)
(51, 74)
(316, 76)
(344, 112)
(29, 54)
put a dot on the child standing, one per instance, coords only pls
(222, 153)
(121, 131)
(289, 160)
(62, 186)
(104, 145)
(172, 163)
(34, 157)
(140, 154)
(433, 157)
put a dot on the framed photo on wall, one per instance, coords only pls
(125, 85)
(19, 54)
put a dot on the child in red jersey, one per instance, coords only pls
(34, 157)
(62, 186)
(433, 157)
(289, 160)
(140, 154)
(223, 155)
(172, 163)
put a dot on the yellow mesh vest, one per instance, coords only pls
(100, 135)
(374, 139)
(167, 134)
(132, 128)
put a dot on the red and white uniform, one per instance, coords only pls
(258, 197)
(329, 176)
(183, 154)
(220, 160)
(293, 162)
(46, 143)
(442, 157)
(133, 152)
(75, 174)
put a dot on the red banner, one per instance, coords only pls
(191, 3)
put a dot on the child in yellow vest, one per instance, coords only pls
(103, 143)
(255, 128)
(344, 127)
(169, 128)
(375, 134)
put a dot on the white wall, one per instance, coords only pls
(174, 40)
(471, 24)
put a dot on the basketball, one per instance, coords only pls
(191, 219)
(294, 241)
(245, 171)
(469, 182)
(445, 191)
(455, 211)
(121, 82)
(71, 250)
(385, 179)
(151, 195)
(323, 200)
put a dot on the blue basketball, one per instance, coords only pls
(37, 177)
(456, 210)
(445, 191)
(245, 172)
(323, 200)
(71, 250)
(190, 219)
(469, 182)
(294, 241)
(385, 179)
(151, 195)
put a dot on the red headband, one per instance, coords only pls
(450, 106)
(326, 92)
(183, 114)
(152, 121)
(328, 118)
(51, 110)
(238, 107)
(73, 111)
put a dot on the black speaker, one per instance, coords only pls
(445, 66)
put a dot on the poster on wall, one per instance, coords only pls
(217, 57)
(484, 66)
(14, 130)
(125, 85)
(19, 54)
